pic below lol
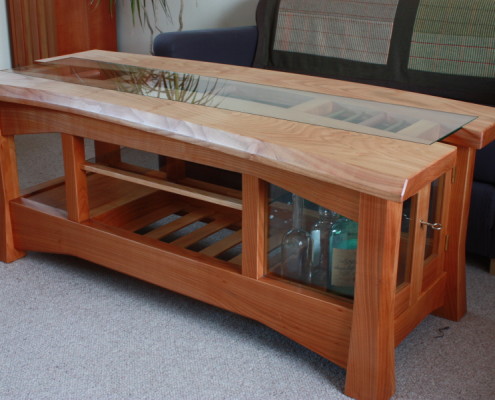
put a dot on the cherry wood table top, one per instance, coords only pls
(387, 168)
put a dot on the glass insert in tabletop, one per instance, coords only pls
(348, 114)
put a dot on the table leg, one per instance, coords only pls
(371, 365)
(9, 190)
(75, 178)
(455, 305)
(107, 153)
(176, 169)
(254, 226)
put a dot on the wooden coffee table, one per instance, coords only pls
(118, 214)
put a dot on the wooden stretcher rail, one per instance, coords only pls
(171, 187)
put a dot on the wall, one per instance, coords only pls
(5, 61)
(198, 14)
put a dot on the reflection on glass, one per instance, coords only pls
(405, 247)
(320, 257)
(374, 118)
(296, 246)
(343, 251)
(310, 244)
(434, 215)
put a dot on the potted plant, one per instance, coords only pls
(139, 9)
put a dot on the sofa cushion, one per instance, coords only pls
(440, 47)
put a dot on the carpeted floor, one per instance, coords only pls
(70, 329)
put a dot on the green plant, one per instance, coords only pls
(145, 11)
(139, 9)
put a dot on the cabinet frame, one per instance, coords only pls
(334, 328)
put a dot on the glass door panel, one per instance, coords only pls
(434, 216)
(406, 241)
(311, 245)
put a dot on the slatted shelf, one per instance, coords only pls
(218, 223)
(223, 245)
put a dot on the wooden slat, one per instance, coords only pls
(193, 215)
(107, 153)
(141, 211)
(165, 186)
(237, 260)
(223, 245)
(219, 222)
(153, 215)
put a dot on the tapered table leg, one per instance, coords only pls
(107, 153)
(455, 305)
(9, 190)
(75, 178)
(370, 366)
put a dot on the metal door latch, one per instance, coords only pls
(437, 226)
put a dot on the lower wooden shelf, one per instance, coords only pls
(194, 247)
(200, 226)
(104, 239)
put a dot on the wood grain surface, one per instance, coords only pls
(479, 132)
(387, 168)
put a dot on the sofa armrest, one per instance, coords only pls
(484, 170)
(234, 46)
(481, 227)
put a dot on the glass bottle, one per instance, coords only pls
(320, 237)
(296, 246)
(343, 249)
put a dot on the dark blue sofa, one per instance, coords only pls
(405, 68)
(481, 226)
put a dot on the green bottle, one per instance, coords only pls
(320, 236)
(296, 246)
(343, 250)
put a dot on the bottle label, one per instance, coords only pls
(343, 267)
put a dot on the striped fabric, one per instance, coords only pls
(455, 37)
(357, 30)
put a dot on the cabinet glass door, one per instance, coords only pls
(434, 216)
(422, 236)
(311, 245)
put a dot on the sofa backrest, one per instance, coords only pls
(440, 47)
